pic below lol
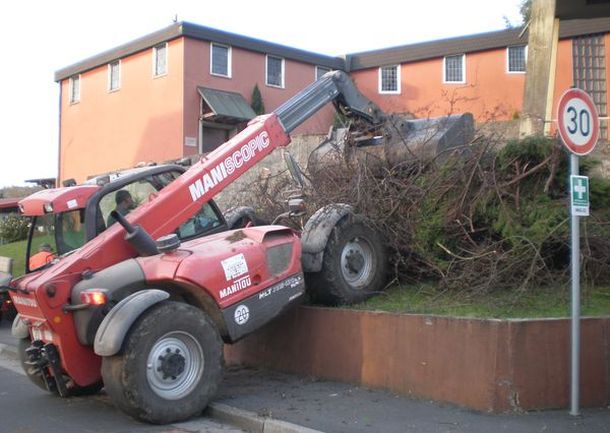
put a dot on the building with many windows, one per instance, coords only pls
(187, 88)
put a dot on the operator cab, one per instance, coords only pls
(64, 219)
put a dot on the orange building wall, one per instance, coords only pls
(142, 121)
(248, 69)
(490, 92)
(563, 76)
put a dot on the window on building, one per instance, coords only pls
(389, 79)
(275, 71)
(320, 71)
(516, 58)
(454, 69)
(114, 75)
(160, 60)
(220, 60)
(74, 92)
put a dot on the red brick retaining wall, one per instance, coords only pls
(488, 365)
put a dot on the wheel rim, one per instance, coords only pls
(175, 365)
(357, 262)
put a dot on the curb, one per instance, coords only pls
(8, 351)
(252, 422)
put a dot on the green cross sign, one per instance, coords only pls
(579, 187)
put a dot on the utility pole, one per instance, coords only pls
(543, 35)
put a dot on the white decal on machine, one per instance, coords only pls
(236, 286)
(25, 301)
(229, 165)
(234, 266)
(72, 204)
(242, 314)
(291, 282)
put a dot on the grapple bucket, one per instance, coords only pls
(398, 141)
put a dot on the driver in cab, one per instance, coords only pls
(124, 204)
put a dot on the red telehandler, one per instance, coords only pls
(140, 303)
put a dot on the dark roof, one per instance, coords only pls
(45, 182)
(185, 29)
(9, 203)
(226, 105)
(466, 44)
(355, 61)
(572, 9)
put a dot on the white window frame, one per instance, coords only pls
(283, 84)
(110, 89)
(398, 81)
(463, 69)
(508, 71)
(229, 61)
(154, 60)
(71, 98)
(315, 71)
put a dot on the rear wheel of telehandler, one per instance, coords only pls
(169, 367)
(354, 266)
(36, 377)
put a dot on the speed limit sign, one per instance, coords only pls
(578, 121)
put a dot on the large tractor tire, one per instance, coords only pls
(241, 217)
(169, 367)
(354, 266)
(36, 377)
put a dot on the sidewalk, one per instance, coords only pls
(335, 408)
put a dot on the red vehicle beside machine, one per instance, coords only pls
(140, 301)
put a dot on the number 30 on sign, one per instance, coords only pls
(578, 121)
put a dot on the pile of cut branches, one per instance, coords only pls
(492, 218)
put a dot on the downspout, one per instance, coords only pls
(57, 179)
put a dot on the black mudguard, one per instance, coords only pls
(111, 333)
(316, 232)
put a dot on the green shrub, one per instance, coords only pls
(13, 228)
(257, 101)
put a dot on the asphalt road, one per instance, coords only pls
(24, 408)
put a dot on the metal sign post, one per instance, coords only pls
(575, 277)
(578, 125)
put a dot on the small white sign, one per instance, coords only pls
(242, 314)
(190, 141)
(579, 186)
(234, 266)
(72, 204)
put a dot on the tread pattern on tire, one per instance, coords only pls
(328, 286)
(125, 373)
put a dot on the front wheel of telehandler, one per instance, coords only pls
(354, 266)
(169, 367)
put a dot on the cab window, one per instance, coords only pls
(53, 235)
(205, 221)
(130, 196)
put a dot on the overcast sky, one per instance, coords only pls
(42, 36)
